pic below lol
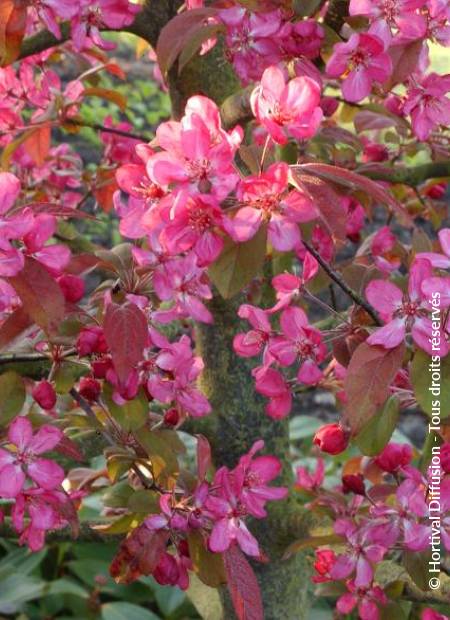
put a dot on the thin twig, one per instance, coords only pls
(342, 284)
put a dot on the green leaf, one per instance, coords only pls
(16, 589)
(421, 379)
(126, 611)
(66, 586)
(67, 374)
(208, 566)
(118, 495)
(132, 415)
(144, 501)
(161, 455)
(12, 396)
(238, 264)
(377, 432)
(417, 566)
(168, 599)
(312, 542)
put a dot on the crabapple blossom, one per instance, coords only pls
(287, 109)
(408, 313)
(24, 461)
(364, 60)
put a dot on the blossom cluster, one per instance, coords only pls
(215, 510)
(377, 512)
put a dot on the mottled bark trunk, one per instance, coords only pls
(238, 417)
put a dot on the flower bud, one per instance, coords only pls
(394, 456)
(89, 388)
(91, 340)
(331, 438)
(171, 417)
(72, 287)
(44, 394)
(353, 483)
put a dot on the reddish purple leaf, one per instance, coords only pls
(177, 33)
(355, 181)
(369, 375)
(203, 456)
(243, 586)
(126, 334)
(40, 294)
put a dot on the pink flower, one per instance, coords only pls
(12, 227)
(184, 282)
(16, 465)
(252, 40)
(304, 39)
(363, 60)
(299, 342)
(310, 481)
(408, 313)
(254, 474)
(266, 198)
(440, 261)
(394, 457)
(383, 243)
(290, 109)
(197, 153)
(360, 556)
(289, 287)
(193, 222)
(324, 562)
(271, 383)
(253, 342)
(367, 599)
(398, 14)
(431, 614)
(228, 513)
(389, 523)
(427, 103)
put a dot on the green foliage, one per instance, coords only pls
(70, 581)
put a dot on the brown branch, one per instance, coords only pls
(113, 130)
(336, 14)
(342, 284)
(86, 533)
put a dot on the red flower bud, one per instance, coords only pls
(325, 560)
(44, 394)
(89, 388)
(72, 287)
(436, 191)
(101, 367)
(331, 438)
(354, 483)
(171, 417)
(394, 456)
(91, 340)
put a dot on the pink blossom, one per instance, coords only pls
(382, 244)
(397, 14)
(440, 261)
(184, 282)
(290, 109)
(271, 383)
(197, 154)
(363, 60)
(431, 614)
(299, 342)
(360, 556)
(16, 465)
(310, 481)
(427, 103)
(193, 222)
(394, 457)
(304, 39)
(254, 474)
(407, 313)
(228, 513)
(402, 521)
(367, 599)
(266, 198)
(253, 342)
(289, 287)
(252, 40)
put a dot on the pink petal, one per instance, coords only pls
(245, 225)
(12, 480)
(20, 432)
(384, 296)
(46, 474)
(247, 541)
(46, 438)
(390, 335)
(220, 538)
